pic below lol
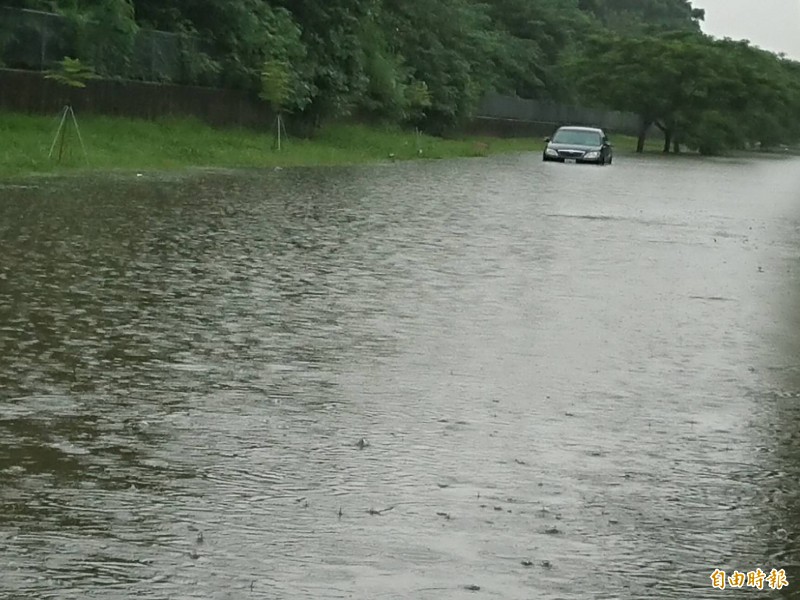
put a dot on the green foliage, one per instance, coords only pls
(242, 36)
(708, 94)
(72, 73)
(105, 32)
(333, 34)
(198, 66)
(428, 63)
(388, 77)
(275, 84)
(538, 34)
(641, 16)
(418, 100)
(456, 58)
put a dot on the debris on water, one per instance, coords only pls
(569, 414)
(194, 555)
(498, 508)
(552, 531)
(520, 462)
(362, 443)
(546, 564)
(473, 588)
(527, 563)
(443, 485)
(373, 511)
(612, 521)
(200, 538)
(340, 512)
(444, 514)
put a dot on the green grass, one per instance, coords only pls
(114, 143)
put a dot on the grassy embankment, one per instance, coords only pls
(127, 144)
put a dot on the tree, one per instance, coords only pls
(705, 93)
(537, 35)
(332, 32)
(634, 17)
(276, 91)
(104, 32)
(243, 35)
(452, 46)
(428, 64)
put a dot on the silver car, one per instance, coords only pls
(579, 144)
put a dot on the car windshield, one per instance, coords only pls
(578, 137)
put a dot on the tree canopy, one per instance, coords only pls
(429, 63)
(700, 92)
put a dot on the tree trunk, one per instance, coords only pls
(642, 137)
(676, 147)
(667, 140)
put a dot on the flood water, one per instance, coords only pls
(570, 382)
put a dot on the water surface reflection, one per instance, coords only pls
(571, 383)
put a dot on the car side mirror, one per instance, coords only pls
(547, 139)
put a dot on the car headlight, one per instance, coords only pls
(551, 152)
(591, 155)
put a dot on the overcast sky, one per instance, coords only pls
(771, 24)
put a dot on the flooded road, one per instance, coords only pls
(402, 381)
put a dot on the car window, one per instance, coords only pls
(573, 136)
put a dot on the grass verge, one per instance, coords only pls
(114, 143)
